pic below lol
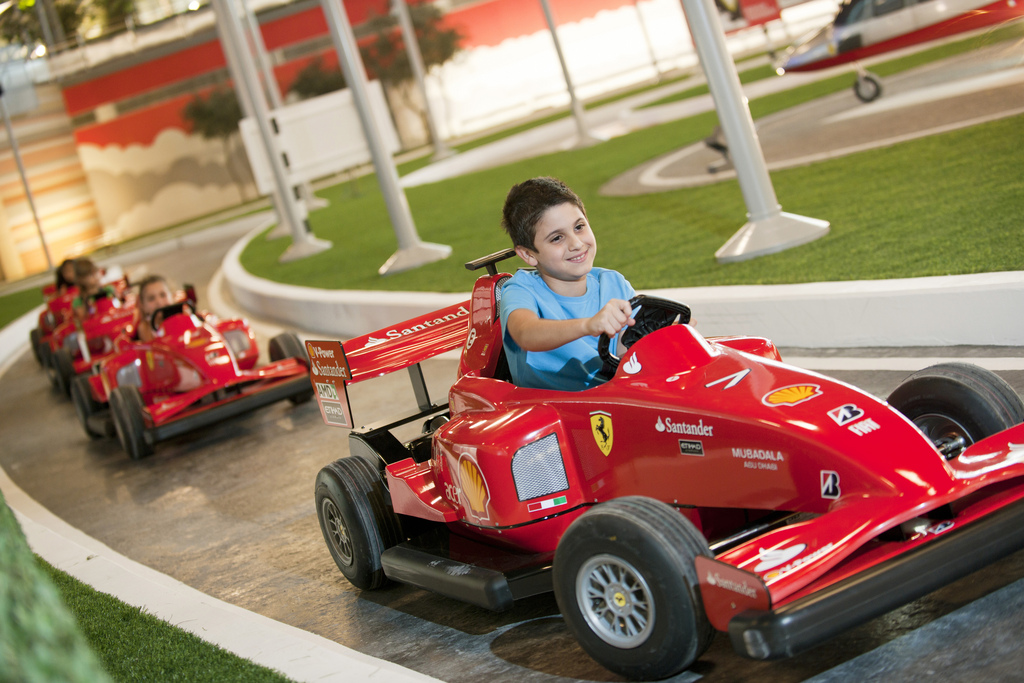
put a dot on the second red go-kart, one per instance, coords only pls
(706, 486)
(197, 371)
(76, 346)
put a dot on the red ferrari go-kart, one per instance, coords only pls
(197, 370)
(705, 486)
(76, 346)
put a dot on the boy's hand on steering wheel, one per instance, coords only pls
(613, 316)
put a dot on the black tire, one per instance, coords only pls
(127, 408)
(957, 404)
(45, 357)
(287, 345)
(356, 519)
(657, 626)
(867, 88)
(35, 340)
(63, 371)
(85, 405)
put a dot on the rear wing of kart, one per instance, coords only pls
(333, 364)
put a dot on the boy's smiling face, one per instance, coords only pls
(563, 251)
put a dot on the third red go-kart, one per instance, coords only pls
(706, 486)
(197, 371)
(58, 308)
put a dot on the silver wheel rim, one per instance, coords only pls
(336, 531)
(615, 600)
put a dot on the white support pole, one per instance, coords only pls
(243, 72)
(273, 93)
(412, 49)
(584, 137)
(768, 229)
(412, 252)
(24, 179)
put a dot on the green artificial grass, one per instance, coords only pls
(13, 306)
(39, 639)
(136, 646)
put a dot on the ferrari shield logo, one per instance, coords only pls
(601, 426)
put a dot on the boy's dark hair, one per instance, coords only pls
(527, 202)
(83, 268)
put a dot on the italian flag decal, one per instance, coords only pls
(547, 504)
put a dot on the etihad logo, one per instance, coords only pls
(687, 428)
(791, 395)
(419, 327)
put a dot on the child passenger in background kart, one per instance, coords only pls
(551, 317)
(154, 294)
(65, 276)
(87, 277)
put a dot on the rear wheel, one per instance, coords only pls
(288, 345)
(127, 409)
(356, 519)
(63, 371)
(85, 405)
(625, 581)
(957, 404)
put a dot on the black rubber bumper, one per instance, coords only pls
(224, 411)
(810, 620)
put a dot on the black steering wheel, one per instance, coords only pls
(165, 312)
(650, 313)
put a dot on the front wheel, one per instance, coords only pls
(356, 519)
(626, 584)
(867, 88)
(287, 345)
(85, 405)
(64, 371)
(35, 340)
(127, 409)
(957, 404)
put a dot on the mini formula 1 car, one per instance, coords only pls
(705, 486)
(76, 346)
(198, 370)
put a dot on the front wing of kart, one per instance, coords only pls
(987, 525)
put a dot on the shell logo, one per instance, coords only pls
(791, 395)
(474, 487)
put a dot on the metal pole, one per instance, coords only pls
(647, 39)
(239, 62)
(585, 138)
(24, 178)
(273, 93)
(412, 49)
(768, 229)
(412, 252)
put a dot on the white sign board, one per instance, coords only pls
(320, 136)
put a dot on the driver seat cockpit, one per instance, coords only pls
(484, 354)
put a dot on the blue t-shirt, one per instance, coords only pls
(571, 367)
